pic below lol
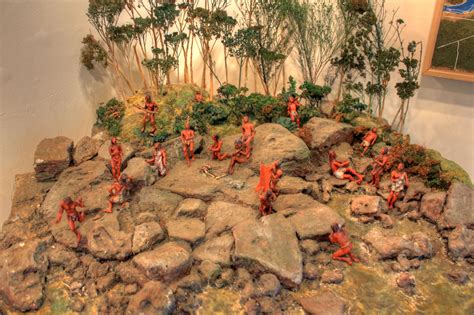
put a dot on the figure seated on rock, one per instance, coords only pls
(68, 205)
(399, 183)
(368, 140)
(266, 199)
(115, 151)
(118, 191)
(341, 170)
(293, 105)
(269, 177)
(239, 156)
(215, 149)
(248, 134)
(187, 139)
(341, 237)
(158, 162)
(379, 165)
(150, 109)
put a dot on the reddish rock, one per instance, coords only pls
(461, 242)
(52, 156)
(323, 303)
(366, 205)
(184, 229)
(432, 205)
(321, 134)
(332, 276)
(153, 298)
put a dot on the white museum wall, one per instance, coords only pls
(45, 92)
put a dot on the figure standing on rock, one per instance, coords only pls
(73, 216)
(341, 237)
(341, 170)
(115, 151)
(368, 140)
(159, 160)
(117, 192)
(187, 139)
(379, 164)
(150, 110)
(269, 177)
(215, 149)
(248, 134)
(266, 198)
(399, 183)
(293, 105)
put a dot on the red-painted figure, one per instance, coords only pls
(159, 160)
(340, 236)
(68, 205)
(341, 170)
(150, 110)
(239, 156)
(293, 105)
(115, 151)
(275, 176)
(266, 199)
(187, 138)
(379, 164)
(269, 177)
(368, 140)
(117, 192)
(248, 133)
(215, 149)
(198, 97)
(399, 183)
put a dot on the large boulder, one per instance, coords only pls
(52, 156)
(22, 275)
(432, 205)
(322, 134)
(161, 202)
(222, 216)
(269, 245)
(390, 246)
(145, 235)
(166, 262)
(153, 298)
(322, 303)
(294, 202)
(459, 208)
(186, 229)
(314, 222)
(461, 242)
(138, 169)
(218, 250)
(86, 149)
(366, 205)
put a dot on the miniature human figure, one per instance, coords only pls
(238, 156)
(115, 151)
(293, 105)
(269, 178)
(341, 237)
(276, 174)
(198, 97)
(368, 140)
(158, 160)
(379, 165)
(341, 170)
(68, 205)
(117, 192)
(266, 199)
(215, 149)
(187, 138)
(150, 110)
(248, 133)
(399, 183)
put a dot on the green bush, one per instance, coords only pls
(234, 102)
(350, 107)
(287, 123)
(314, 93)
(265, 108)
(307, 112)
(110, 116)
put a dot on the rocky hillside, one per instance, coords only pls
(190, 243)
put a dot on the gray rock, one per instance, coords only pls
(86, 149)
(222, 216)
(432, 205)
(310, 271)
(145, 235)
(294, 202)
(461, 242)
(58, 255)
(366, 205)
(186, 229)
(218, 250)
(323, 303)
(166, 262)
(52, 156)
(161, 202)
(191, 207)
(328, 108)
(269, 245)
(138, 169)
(153, 298)
(310, 247)
(459, 208)
(416, 190)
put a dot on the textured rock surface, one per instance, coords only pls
(366, 205)
(153, 298)
(461, 242)
(314, 222)
(218, 250)
(145, 235)
(166, 262)
(184, 229)
(323, 303)
(459, 208)
(191, 207)
(86, 149)
(222, 216)
(321, 134)
(52, 156)
(432, 205)
(138, 169)
(270, 245)
(294, 185)
(160, 202)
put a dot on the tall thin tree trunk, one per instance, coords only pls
(139, 66)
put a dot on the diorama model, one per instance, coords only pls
(229, 197)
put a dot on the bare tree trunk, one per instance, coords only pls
(139, 66)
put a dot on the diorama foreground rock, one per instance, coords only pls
(52, 156)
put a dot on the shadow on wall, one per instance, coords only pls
(452, 92)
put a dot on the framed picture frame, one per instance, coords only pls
(450, 47)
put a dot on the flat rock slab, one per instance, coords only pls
(166, 262)
(269, 245)
(294, 202)
(186, 229)
(388, 245)
(161, 202)
(222, 216)
(294, 185)
(321, 134)
(86, 149)
(314, 222)
(218, 250)
(22, 274)
(191, 207)
(145, 235)
(459, 208)
(323, 303)
(52, 156)
(366, 205)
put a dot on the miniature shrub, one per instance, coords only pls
(210, 112)
(314, 93)
(110, 116)
(234, 102)
(266, 108)
(287, 123)
(285, 94)
(307, 112)
(350, 107)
